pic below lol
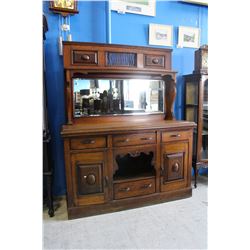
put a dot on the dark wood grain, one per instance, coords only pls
(123, 161)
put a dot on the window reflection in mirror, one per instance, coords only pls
(117, 96)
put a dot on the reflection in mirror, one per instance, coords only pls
(117, 96)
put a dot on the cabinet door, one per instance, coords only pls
(174, 166)
(89, 175)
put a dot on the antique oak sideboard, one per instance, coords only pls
(123, 148)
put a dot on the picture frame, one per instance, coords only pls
(141, 7)
(198, 2)
(64, 7)
(160, 34)
(188, 37)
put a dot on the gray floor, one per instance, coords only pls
(178, 224)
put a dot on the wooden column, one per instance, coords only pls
(170, 94)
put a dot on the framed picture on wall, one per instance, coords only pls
(64, 7)
(160, 34)
(142, 7)
(188, 37)
(200, 2)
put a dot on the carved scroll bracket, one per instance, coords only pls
(170, 94)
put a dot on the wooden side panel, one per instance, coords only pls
(70, 201)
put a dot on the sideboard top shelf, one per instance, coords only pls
(116, 46)
(110, 127)
(102, 56)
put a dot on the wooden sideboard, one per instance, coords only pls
(123, 156)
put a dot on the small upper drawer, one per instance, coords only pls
(134, 139)
(84, 57)
(154, 61)
(88, 142)
(175, 135)
(134, 188)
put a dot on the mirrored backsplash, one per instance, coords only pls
(117, 96)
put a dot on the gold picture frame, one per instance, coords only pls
(64, 7)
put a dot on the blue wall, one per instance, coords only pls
(90, 26)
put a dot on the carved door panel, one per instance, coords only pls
(174, 166)
(89, 174)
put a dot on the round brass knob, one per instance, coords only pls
(175, 167)
(90, 179)
(155, 61)
(85, 57)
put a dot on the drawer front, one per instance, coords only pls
(175, 135)
(154, 61)
(134, 139)
(134, 188)
(88, 142)
(84, 57)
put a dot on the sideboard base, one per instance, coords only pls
(135, 202)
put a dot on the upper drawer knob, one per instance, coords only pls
(126, 189)
(175, 135)
(147, 186)
(155, 60)
(88, 141)
(175, 167)
(85, 57)
(123, 141)
(146, 138)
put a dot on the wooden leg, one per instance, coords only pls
(50, 197)
(49, 194)
(195, 175)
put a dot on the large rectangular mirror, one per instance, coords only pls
(117, 96)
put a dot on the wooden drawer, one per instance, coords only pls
(84, 57)
(88, 142)
(134, 188)
(175, 135)
(134, 139)
(154, 61)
